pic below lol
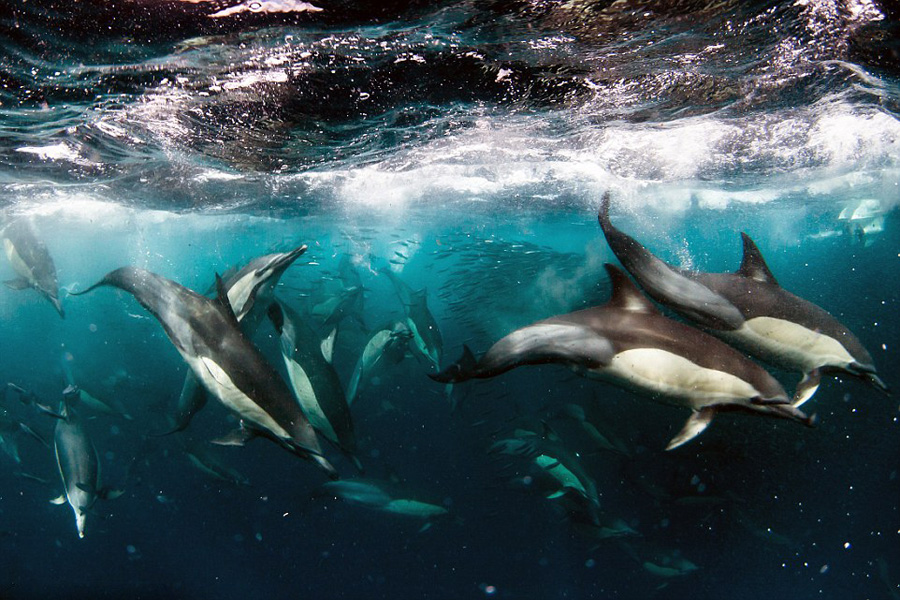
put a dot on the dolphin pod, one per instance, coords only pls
(628, 342)
(207, 335)
(750, 310)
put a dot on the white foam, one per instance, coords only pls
(60, 151)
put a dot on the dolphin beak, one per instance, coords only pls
(58, 305)
(878, 383)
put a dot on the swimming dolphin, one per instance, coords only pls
(314, 379)
(251, 289)
(628, 342)
(750, 310)
(31, 261)
(79, 466)
(375, 495)
(207, 335)
(387, 345)
(552, 460)
(427, 340)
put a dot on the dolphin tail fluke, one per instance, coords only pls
(461, 370)
(100, 283)
(329, 469)
(695, 425)
(807, 387)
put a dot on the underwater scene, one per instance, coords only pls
(484, 299)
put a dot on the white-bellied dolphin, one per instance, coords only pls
(251, 289)
(749, 309)
(628, 342)
(207, 335)
(314, 379)
(388, 344)
(31, 261)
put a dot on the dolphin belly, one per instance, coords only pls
(426, 350)
(673, 378)
(15, 260)
(220, 385)
(306, 394)
(788, 344)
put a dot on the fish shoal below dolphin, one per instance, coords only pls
(750, 310)
(629, 343)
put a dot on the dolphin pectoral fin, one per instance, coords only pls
(19, 283)
(110, 493)
(695, 425)
(238, 437)
(327, 345)
(88, 489)
(807, 387)
(61, 499)
(555, 495)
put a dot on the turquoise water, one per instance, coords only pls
(464, 147)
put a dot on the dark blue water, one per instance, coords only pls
(465, 147)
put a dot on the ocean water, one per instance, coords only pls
(464, 147)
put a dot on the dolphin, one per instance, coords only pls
(31, 261)
(628, 342)
(314, 379)
(207, 335)
(112, 407)
(79, 466)
(388, 344)
(427, 340)
(251, 289)
(748, 309)
(373, 495)
(551, 459)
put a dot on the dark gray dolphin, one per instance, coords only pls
(31, 261)
(426, 335)
(79, 466)
(207, 335)
(750, 310)
(628, 342)
(251, 289)
(314, 379)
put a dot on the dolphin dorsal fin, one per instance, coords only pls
(625, 294)
(222, 299)
(753, 265)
